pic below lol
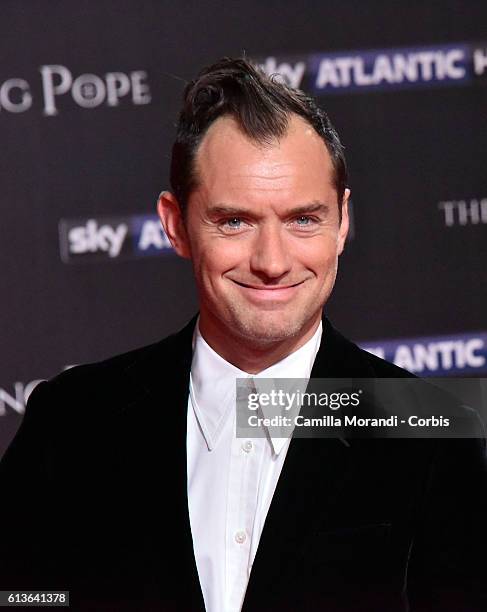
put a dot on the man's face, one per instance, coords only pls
(263, 232)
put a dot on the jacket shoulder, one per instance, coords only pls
(383, 368)
(105, 370)
(349, 358)
(103, 385)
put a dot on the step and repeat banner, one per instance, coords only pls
(89, 96)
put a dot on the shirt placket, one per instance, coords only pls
(244, 476)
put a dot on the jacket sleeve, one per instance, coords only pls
(448, 562)
(26, 544)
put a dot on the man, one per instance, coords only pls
(127, 484)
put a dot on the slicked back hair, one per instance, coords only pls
(261, 106)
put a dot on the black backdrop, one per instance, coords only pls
(89, 94)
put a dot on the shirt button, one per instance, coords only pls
(240, 537)
(247, 446)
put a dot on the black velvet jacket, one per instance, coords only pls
(94, 500)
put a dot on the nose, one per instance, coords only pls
(270, 259)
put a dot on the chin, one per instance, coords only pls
(268, 330)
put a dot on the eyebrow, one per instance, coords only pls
(311, 207)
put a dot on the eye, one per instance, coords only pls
(233, 223)
(305, 221)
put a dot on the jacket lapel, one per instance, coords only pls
(313, 478)
(159, 385)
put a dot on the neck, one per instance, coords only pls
(247, 354)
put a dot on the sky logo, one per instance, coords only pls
(112, 238)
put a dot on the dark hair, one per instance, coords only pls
(262, 107)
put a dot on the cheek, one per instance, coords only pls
(213, 258)
(319, 254)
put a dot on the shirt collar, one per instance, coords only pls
(213, 383)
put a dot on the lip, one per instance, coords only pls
(274, 293)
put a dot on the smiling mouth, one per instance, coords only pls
(269, 295)
(268, 287)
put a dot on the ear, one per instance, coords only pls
(172, 221)
(343, 230)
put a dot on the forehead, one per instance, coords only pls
(229, 161)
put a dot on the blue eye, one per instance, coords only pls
(234, 223)
(303, 218)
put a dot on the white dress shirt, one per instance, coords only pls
(231, 480)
